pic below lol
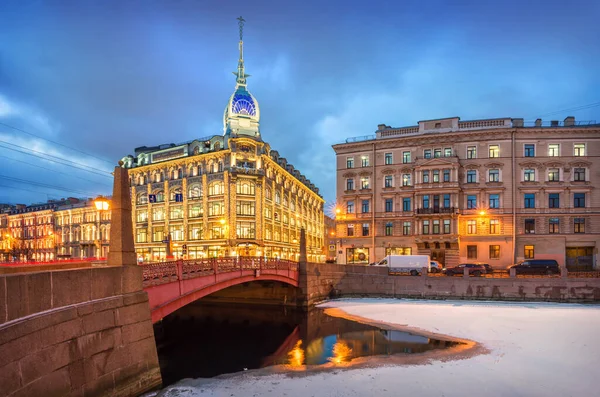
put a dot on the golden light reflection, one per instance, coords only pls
(296, 355)
(341, 353)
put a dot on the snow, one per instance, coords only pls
(535, 349)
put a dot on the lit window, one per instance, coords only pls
(437, 153)
(553, 150)
(447, 152)
(405, 179)
(436, 176)
(365, 161)
(579, 149)
(406, 228)
(425, 227)
(529, 226)
(553, 225)
(472, 226)
(436, 226)
(471, 252)
(389, 229)
(553, 175)
(364, 183)
(529, 252)
(446, 226)
(529, 175)
(494, 226)
(579, 225)
(494, 252)
(494, 151)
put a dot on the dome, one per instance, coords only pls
(243, 103)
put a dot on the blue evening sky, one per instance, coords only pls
(104, 77)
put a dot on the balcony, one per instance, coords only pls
(436, 210)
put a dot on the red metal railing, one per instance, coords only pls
(166, 272)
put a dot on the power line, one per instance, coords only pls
(572, 109)
(40, 184)
(27, 190)
(56, 172)
(58, 159)
(55, 143)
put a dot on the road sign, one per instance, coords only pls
(165, 241)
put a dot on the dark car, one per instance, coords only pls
(537, 266)
(473, 268)
(488, 268)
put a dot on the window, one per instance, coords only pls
(529, 226)
(350, 207)
(427, 153)
(529, 252)
(579, 174)
(554, 200)
(389, 205)
(436, 176)
(158, 233)
(446, 226)
(529, 175)
(388, 159)
(425, 176)
(406, 204)
(579, 149)
(215, 188)
(364, 183)
(553, 175)
(244, 208)
(425, 201)
(471, 152)
(389, 229)
(494, 151)
(365, 229)
(472, 226)
(365, 206)
(529, 150)
(142, 235)
(446, 200)
(471, 201)
(245, 187)
(216, 208)
(349, 184)
(405, 179)
(494, 201)
(436, 226)
(529, 200)
(553, 225)
(579, 225)
(494, 175)
(494, 252)
(350, 162)
(438, 125)
(388, 181)
(364, 161)
(176, 212)
(553, 150)
(471, 176)
(471, 252)
(350, 230)
(406, 228)
(446, 175)
(195, 210)
(579, 200)
(405, 157)
(447, 152)
(494, 226)
(437, 153)
(425, 227)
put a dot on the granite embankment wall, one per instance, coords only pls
(76, 332)
(322, 281)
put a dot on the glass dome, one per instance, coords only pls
(242, 103)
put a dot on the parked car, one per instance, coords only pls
(473, 268)
(488, 268)
(537, 266)
(436, 267)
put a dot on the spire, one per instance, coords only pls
(240, 74)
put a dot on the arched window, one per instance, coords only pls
(180, 173)
(173, 194)
(268, 194)
(160, 196)
(245, 187)
(195, 191)
(142, 198)
(215, 188)
(277, 198)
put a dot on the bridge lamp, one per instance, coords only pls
(101, 203)
(481, 212)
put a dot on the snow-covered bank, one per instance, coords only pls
(536, 349)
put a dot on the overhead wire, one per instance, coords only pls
(54, 142)
(571, 109)
(40, 184)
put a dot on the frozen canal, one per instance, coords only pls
(534, 349)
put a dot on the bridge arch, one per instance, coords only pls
(172, 285)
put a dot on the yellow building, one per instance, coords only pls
(224, 195)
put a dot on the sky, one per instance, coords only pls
(89, 81)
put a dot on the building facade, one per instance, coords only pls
(228, 194)
(496, 191)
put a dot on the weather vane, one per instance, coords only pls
(241, 25)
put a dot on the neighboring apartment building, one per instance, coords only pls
(223, 195)
(495, 191)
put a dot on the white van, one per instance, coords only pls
(412, 264)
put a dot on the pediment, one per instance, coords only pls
(388, 171)
(472, 166)
(494, 165)
(365, 173)
(580, 163)
(349, 175)
(437, 162)
(554, 164)
(530, 164)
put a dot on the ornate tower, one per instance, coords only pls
(242, 115)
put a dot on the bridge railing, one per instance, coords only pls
(166, 272)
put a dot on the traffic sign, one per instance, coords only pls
(165, 241)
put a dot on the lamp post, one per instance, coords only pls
(101, 205)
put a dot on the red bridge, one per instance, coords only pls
(172, 285)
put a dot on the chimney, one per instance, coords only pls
(538, 123)
(517, 122)
(569, 121)
(554, 123)
(381, 127)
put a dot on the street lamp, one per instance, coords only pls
(101, 205)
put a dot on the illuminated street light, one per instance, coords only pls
(222, 221)
(101, 203)
(482, 212)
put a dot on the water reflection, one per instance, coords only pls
(209, 340)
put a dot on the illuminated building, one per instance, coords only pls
(494, 191)
(223, 195)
